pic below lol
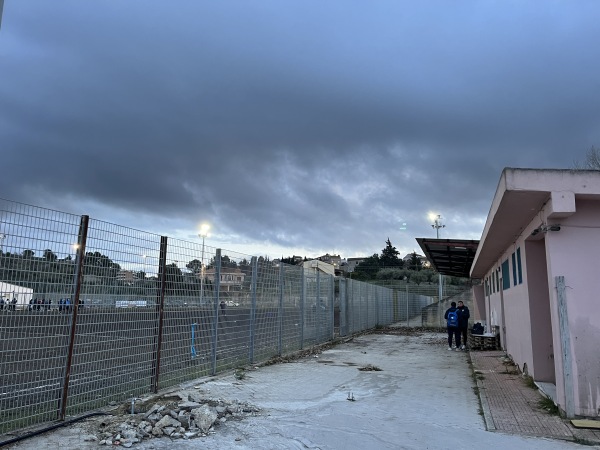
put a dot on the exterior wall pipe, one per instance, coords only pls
(565, 341)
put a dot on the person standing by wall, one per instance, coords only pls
(463, 322)
(451, 317)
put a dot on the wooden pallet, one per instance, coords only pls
(481, 342)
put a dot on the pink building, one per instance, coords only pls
(539, 262)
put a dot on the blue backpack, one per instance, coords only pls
(452, 319)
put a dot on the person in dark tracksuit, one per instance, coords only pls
(451, 317)
(463, 322)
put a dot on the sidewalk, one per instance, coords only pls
(510, 406)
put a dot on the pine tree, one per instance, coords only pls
(390, 256)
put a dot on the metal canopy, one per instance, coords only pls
(450, 256)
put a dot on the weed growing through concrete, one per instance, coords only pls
(548, 405)
(529, 382)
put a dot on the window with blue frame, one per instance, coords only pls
(514, 269)
(519, 270)
(505, 275)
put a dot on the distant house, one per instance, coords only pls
(334, 260)
(315, 265)
(351, 263)
(231, 278)
(408, 257)
(538, 260)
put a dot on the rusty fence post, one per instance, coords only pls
(78, 276)
(160, 308)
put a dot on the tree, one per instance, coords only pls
(415, 262)
(226, 261)
(28, 254)
(173, 278)
(418, 277)
(390, 273)
(591, 162)
(195, 266)
(367, 269)
(289, 260)
(390, 256)
(49, 255)
(100, 265)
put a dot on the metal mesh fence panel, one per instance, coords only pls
(188, 313)
(234, 312)
(266, 328)
(115, 341)
(92, 312)
(36, 269)
(292, 323)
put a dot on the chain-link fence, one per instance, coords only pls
(93, 312)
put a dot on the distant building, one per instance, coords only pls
(334, 260)
(9, 291)
(231, 278)
(424, 261)
(315, 265)
(351, 264)
(127, 276)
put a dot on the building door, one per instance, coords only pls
(539, 312)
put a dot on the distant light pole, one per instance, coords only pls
(145, 274)
(203, 234)
(437, 224)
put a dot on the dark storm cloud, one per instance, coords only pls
(309, 125)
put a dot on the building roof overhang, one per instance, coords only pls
(520, 197)
(450, 256)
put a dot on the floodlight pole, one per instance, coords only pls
(203, 233)
(202, 271)
(437, 224)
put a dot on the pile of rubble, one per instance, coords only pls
(183, 415)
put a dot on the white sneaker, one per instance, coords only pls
(449, 348)
(462, 347)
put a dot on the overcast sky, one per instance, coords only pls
(292, 127)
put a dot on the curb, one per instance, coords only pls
(485, 406)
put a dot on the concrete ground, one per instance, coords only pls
(424, 397)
